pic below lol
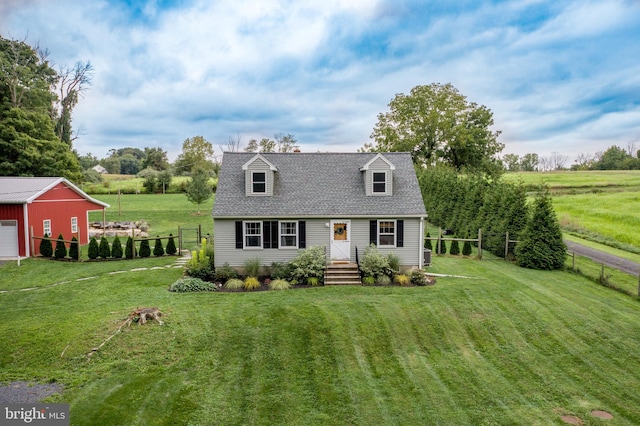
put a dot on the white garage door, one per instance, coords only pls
(8, 238)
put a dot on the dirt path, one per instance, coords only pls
(608, 259)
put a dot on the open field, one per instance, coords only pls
(130, 184)
(506, 346)
(576, 181)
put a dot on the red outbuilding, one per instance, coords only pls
(35, 206)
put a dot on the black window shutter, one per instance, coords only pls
(239, 234)
(274, 234)
(373, 232)
(302, 234)
(266, 234)
(400, 233)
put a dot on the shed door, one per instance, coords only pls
(341, 239)
(8, 238)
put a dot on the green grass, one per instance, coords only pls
(132, 185)
(507, 346)
(566, 181)
(164, 212)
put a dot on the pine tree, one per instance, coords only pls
(129, 251)
(73, 249)
(541, 245)
(145, 249)
(427, 242)
(466, 248)
(93, 248)
(158, 250)
(171, 246)
(455, 248)
(61, 248)
(116, 248)
(103, 250)
(443, 247)
(46, 248)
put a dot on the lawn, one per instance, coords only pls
(505, 346)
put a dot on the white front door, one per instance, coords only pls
(8, 238)
(341, 240)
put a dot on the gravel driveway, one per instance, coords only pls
(611, 260)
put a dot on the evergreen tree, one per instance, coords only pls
(171, 246)
(46, 248)
(427, 242)
(73, 248)
(93, 248)
(158, 250)
(443, 247)
(103, 250)
(145, 249)
(129, 251)
(455, 248)
(116, 248)
(61, 248)
(541, 245)
(466, 248)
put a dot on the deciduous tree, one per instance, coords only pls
(198, 188)
(197, 154)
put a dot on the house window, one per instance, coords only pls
(253, 234)
(387, 233)
(74, 225)
(288, 234)
(258, 182)
(46, 226)
(379, 182)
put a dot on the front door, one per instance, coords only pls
(340, 239)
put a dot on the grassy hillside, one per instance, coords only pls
(506, 346)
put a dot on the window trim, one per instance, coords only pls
(373, 183)
(395, 233)
(46, 224)
(74, 225)
(260, 236)
(253, 183)
(295, 234)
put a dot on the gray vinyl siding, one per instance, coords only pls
(259, 166)
(378, 165)
(317, 234)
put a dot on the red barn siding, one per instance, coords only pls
(15, 212)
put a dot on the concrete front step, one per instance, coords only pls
(342, 274)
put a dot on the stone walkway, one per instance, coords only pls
(180, 262)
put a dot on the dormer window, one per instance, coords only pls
(379, 182)
(258, 182)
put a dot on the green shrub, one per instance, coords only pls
(103, 249)
(368, 280)
(225, 272)
(93, 248)
(130, 249)
(455, 248)
(280, 270)
(145, 248)
(373, 263)
(61, 248)
(46, 248)
(234, 284)
(308, 263)
(73, 248)
(442, 248)
(466, 248)
(201, 265)
(394, 262)
(251, 283)
(420, 277)
(189, 284)
(158, 250)
(252, 267)
(401, 280)
(427, 242)
(279, 285)
(384, 280)
(313, 281)
(116, 248)
(171, 246)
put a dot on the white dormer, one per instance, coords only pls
(258, 176)
(378, 176)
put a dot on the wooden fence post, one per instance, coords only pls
(506, 247)
(179, 241)
(480, 243)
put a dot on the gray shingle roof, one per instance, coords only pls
(21, 190)
(317, 185)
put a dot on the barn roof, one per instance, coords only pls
(22, 190)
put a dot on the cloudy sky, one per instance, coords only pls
(560, 76)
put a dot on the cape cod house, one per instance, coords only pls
(34, 206)
(271, 205)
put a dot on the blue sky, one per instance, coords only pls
(559, 76)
